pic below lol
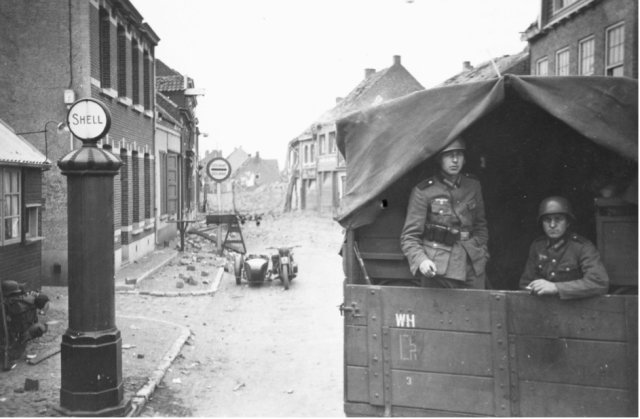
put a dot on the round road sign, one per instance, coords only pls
(219, 169)
(88, 119)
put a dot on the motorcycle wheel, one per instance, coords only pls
(285, 277)
(237, 268)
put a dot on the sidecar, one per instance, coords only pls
(252, 268)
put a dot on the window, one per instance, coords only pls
(615, 51)
(135, 73)
(322, 147)
(587, 57)
(122, 61)
(105, 49)
(146, 68)
(10, 193)
(306, 153)
(33, 216)
(562, 62)
(561, 4)
(332, 142)
(542, 67)
(312, 153)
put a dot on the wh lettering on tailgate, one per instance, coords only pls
(405, 320)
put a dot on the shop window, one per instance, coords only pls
(10, 192)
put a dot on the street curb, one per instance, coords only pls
(142, 396)
(212, 289)
(127, 288)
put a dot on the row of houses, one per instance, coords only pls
(57, 51)
(570, 37)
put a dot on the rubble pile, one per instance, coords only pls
(192, 270)
(263, 200)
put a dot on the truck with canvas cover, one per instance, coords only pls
(413, 351)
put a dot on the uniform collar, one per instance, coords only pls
(451, 184)
(557, 244)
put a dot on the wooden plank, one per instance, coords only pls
(374, 344)
(388, 269)
(362, 410)
(561, 400)
(631, 308)
(601, 318)
(571, 361)
(381, 245)
(357, 384)
(355, 297)
(356, 346)
(452, 393)
(441, 351)
(382, 256)
(500, 354)
(437, 309)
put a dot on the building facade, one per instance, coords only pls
(21, 168)
(177, 135)
(318, 180)
(585, 37)
(72, 49)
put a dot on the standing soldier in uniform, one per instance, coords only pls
(445, 232)
(562, 262)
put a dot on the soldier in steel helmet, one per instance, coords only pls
(445, 233)
(562, 262)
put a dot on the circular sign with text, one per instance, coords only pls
(219, 169)
(88, 119)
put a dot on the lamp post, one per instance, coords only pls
(91, 349)
(59, 128)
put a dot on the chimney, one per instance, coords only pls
(368, 72)
(466, 66)
(338, 100)
(257, 155)
(396, 60)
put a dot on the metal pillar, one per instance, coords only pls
(91, 353)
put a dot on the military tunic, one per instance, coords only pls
(573, 264)
(457, 206)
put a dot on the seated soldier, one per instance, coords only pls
(561, 262)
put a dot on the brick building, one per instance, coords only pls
(21, 167)
(585, 37)
(56, 51)
(318, 181)
(177, 177)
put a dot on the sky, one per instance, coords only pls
(269, 68)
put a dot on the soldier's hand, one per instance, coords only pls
(428, 268)
(542, 287)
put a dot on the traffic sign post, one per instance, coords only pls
(219, 169)
(91, 348)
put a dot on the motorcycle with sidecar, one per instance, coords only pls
(256, 269)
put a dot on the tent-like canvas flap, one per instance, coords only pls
(383, 143)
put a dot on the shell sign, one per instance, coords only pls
(88, 119)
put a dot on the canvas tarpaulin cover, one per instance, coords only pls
(383, 143)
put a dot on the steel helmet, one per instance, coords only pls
(555, 205)
(10, 287)
(456, 144)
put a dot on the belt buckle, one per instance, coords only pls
(465, 235)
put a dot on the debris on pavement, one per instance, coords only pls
(238, 387)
